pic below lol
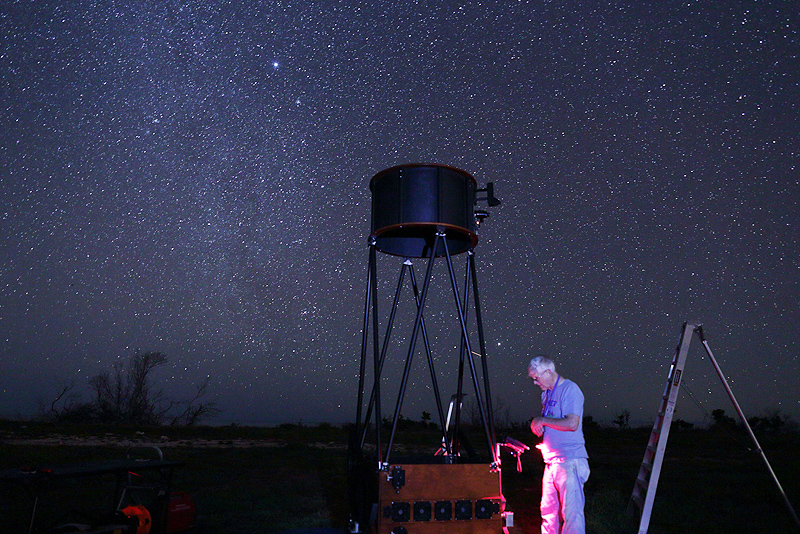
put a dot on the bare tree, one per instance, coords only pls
(66, 388)
(66, 406)
(107, 395)
(141, 402)
(62, 395)
(126, 396)
(194, 410)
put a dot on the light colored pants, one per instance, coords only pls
(562, 497)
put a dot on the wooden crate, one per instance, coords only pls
(472, 492)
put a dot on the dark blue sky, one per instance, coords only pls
(192, 178)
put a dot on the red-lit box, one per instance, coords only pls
(440, 499)
(181, 512)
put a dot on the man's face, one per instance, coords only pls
(542, 379)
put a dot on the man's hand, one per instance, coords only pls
(537, 426)
(569, 423)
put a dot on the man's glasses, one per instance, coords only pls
(536, 378)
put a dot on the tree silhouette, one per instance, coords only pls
(623, 419)
(722, 421)
(126, 396)
(426, 418)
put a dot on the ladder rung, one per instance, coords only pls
(647, 466)
(641, 483)
(638, 500)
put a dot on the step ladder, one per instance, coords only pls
(644, 490)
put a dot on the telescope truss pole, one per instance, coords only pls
(410, 354)
(379, 350)
(468, 349)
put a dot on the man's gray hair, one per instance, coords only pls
(540, 364)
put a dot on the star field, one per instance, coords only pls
(193, 178)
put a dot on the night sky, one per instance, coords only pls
(193, 178)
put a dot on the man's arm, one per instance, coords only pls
(568, 423)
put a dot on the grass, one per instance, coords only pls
(710, 482)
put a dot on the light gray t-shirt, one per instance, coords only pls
(559, 445)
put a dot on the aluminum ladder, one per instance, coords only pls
(644, 490)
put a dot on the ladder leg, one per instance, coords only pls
(746, 424)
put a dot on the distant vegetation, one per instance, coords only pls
(772, 422)
(126, 396)
(295, 475)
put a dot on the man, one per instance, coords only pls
(563, 449)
